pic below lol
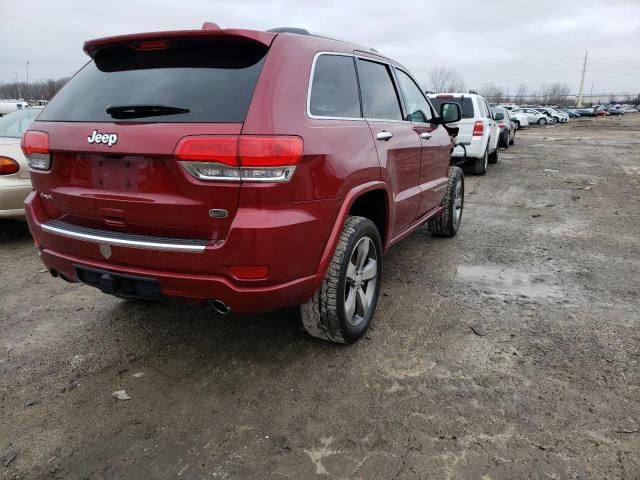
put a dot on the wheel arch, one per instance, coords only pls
(362, 200)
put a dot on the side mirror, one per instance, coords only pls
(450, 112)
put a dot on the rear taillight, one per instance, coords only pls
(501, 125)
(478, 129)
(250, 272)
(8, 166)
(240, 158)
(35, 146)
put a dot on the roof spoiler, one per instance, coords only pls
(209, 30)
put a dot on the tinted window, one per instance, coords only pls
(379, 97)
(334, 90)
(418, 109)
(466, 105)
(487, 111)
(214, 80)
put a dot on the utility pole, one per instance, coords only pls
(27, 95)
(591, 96)
(18, 86)
(584, 69)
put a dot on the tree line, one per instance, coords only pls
(446, 80)
(39, 90)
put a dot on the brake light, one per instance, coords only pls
(478, 129)
(237, 158)
(151, 45)
(269, 151)
(35, 146)
(8, 166)
(208, 148)
(501, 125)
(444, 96)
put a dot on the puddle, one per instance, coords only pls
(502, 281)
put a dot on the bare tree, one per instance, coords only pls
(443, 79)
(492, 93)
(40, 90)
(555, 94)
(521, 93)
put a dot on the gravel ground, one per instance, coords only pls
(510, 351)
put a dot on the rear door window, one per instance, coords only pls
(206, 81)
(334, 88)
(379, 96)
(466, 104)
(418, 109)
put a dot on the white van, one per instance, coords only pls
(8, 106)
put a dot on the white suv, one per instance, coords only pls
(479, 132)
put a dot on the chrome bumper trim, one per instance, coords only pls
(106, 237)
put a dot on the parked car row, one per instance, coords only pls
(605, 110)
(540, 115)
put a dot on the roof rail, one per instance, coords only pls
(298, 31)
(304, 31)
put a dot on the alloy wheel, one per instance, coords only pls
(360, 285)
(457, 205)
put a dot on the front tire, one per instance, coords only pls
(342, 308)
(447, 223)
(542, 121)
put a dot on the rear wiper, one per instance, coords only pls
(141, 111)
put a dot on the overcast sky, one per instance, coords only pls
(499, 42)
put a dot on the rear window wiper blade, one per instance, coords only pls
(141, 111)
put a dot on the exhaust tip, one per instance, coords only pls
(220, 307)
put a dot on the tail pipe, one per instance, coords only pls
(220, 307)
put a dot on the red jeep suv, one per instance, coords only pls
(242, 169)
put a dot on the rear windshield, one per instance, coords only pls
(466, 105)
(210, 81)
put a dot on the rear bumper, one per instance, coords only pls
(197, 288)
(475, 149)
(290, 242)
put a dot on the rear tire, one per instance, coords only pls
(447, 223)
(494, 157)
(542, 121)
(342, 308)
(480, 164)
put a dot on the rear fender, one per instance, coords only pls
(336, 231)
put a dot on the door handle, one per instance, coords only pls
(425, 135)
(384, 135)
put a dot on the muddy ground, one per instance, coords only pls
(510, 351)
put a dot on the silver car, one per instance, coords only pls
(507, 126)
(534, 116)
(15, 183)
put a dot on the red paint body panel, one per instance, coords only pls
(136, 186)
